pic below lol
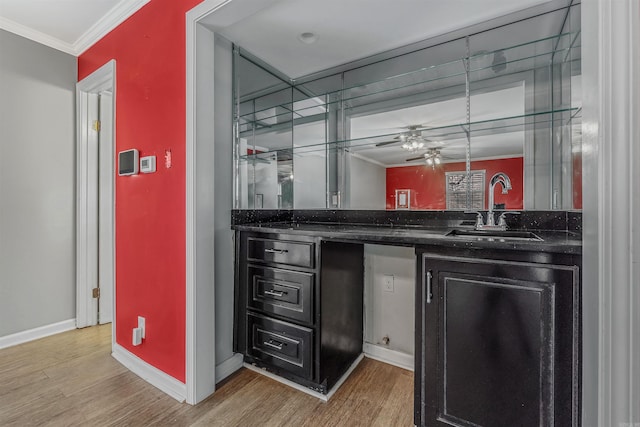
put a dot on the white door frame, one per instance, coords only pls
(103, 79)
(611, 208)
(200, 287)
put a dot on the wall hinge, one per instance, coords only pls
(96, 292)
(96, 125)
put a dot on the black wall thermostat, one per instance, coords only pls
(128, 162)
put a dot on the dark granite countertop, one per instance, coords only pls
(556, 241)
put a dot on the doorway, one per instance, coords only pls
(95, 234)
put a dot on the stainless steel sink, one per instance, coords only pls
(496, 235)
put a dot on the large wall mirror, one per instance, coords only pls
(421, 126)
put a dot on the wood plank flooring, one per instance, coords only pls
(70, 379)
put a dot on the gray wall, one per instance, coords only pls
(37, 184)
(367, 184)
(223, 191)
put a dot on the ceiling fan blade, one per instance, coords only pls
(382, 144)
(415, 158)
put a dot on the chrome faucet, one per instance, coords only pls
(504, 180)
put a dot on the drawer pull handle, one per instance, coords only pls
(274, 293)
(276, 251)
(272, 344)
(428, 290)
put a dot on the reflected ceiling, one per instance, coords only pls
(347, 30)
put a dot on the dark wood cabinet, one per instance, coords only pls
(299, 306)
(498, 338)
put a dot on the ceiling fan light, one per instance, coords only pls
(437, 160)
(429, 161)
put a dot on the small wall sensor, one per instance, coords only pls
(137, 336)
(128, 162)
(148, 164)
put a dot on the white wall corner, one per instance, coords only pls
(228, 367)
(154, 376)
(37, 333)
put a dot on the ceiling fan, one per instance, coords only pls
(432, 157)
(412, 140)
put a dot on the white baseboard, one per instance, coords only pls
(228, 367)
(287, 382)
(151, 374)
(37, 333)
(392, 357)
(323, 397)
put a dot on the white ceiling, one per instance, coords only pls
(353, 29)
(346, 29)
(71, 26)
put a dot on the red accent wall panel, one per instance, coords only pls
(149, 49)
(428, 189)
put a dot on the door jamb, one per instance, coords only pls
(101, 79)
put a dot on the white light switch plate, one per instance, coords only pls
(142, 324)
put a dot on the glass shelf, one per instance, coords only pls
(451, 132)
(512, 60)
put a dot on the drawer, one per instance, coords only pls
(281, 251)
(280, 344)
(283, 292)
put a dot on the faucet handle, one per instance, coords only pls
(502, 220)
(479, 221)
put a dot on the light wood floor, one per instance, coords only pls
(70, 379)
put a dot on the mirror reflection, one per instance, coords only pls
(419, 127)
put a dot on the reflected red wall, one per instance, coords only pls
(428, 190)
(577, 181)
(149, 49)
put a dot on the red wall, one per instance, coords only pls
(149, 49)
(428, 189)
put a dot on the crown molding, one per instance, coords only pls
(117, 15)
(36, 36)
(108, 22)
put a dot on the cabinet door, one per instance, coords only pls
(491, 329)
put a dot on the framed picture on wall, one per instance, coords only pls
(403, 199)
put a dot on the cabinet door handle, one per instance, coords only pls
(274, 293)
(428, 290)
(275, 251)
(271, 343)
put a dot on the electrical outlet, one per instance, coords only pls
(387, 283)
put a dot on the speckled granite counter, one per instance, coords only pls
(433, 230)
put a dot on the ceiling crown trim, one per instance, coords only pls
(36, 36)
(107, 23)
(117, 15)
